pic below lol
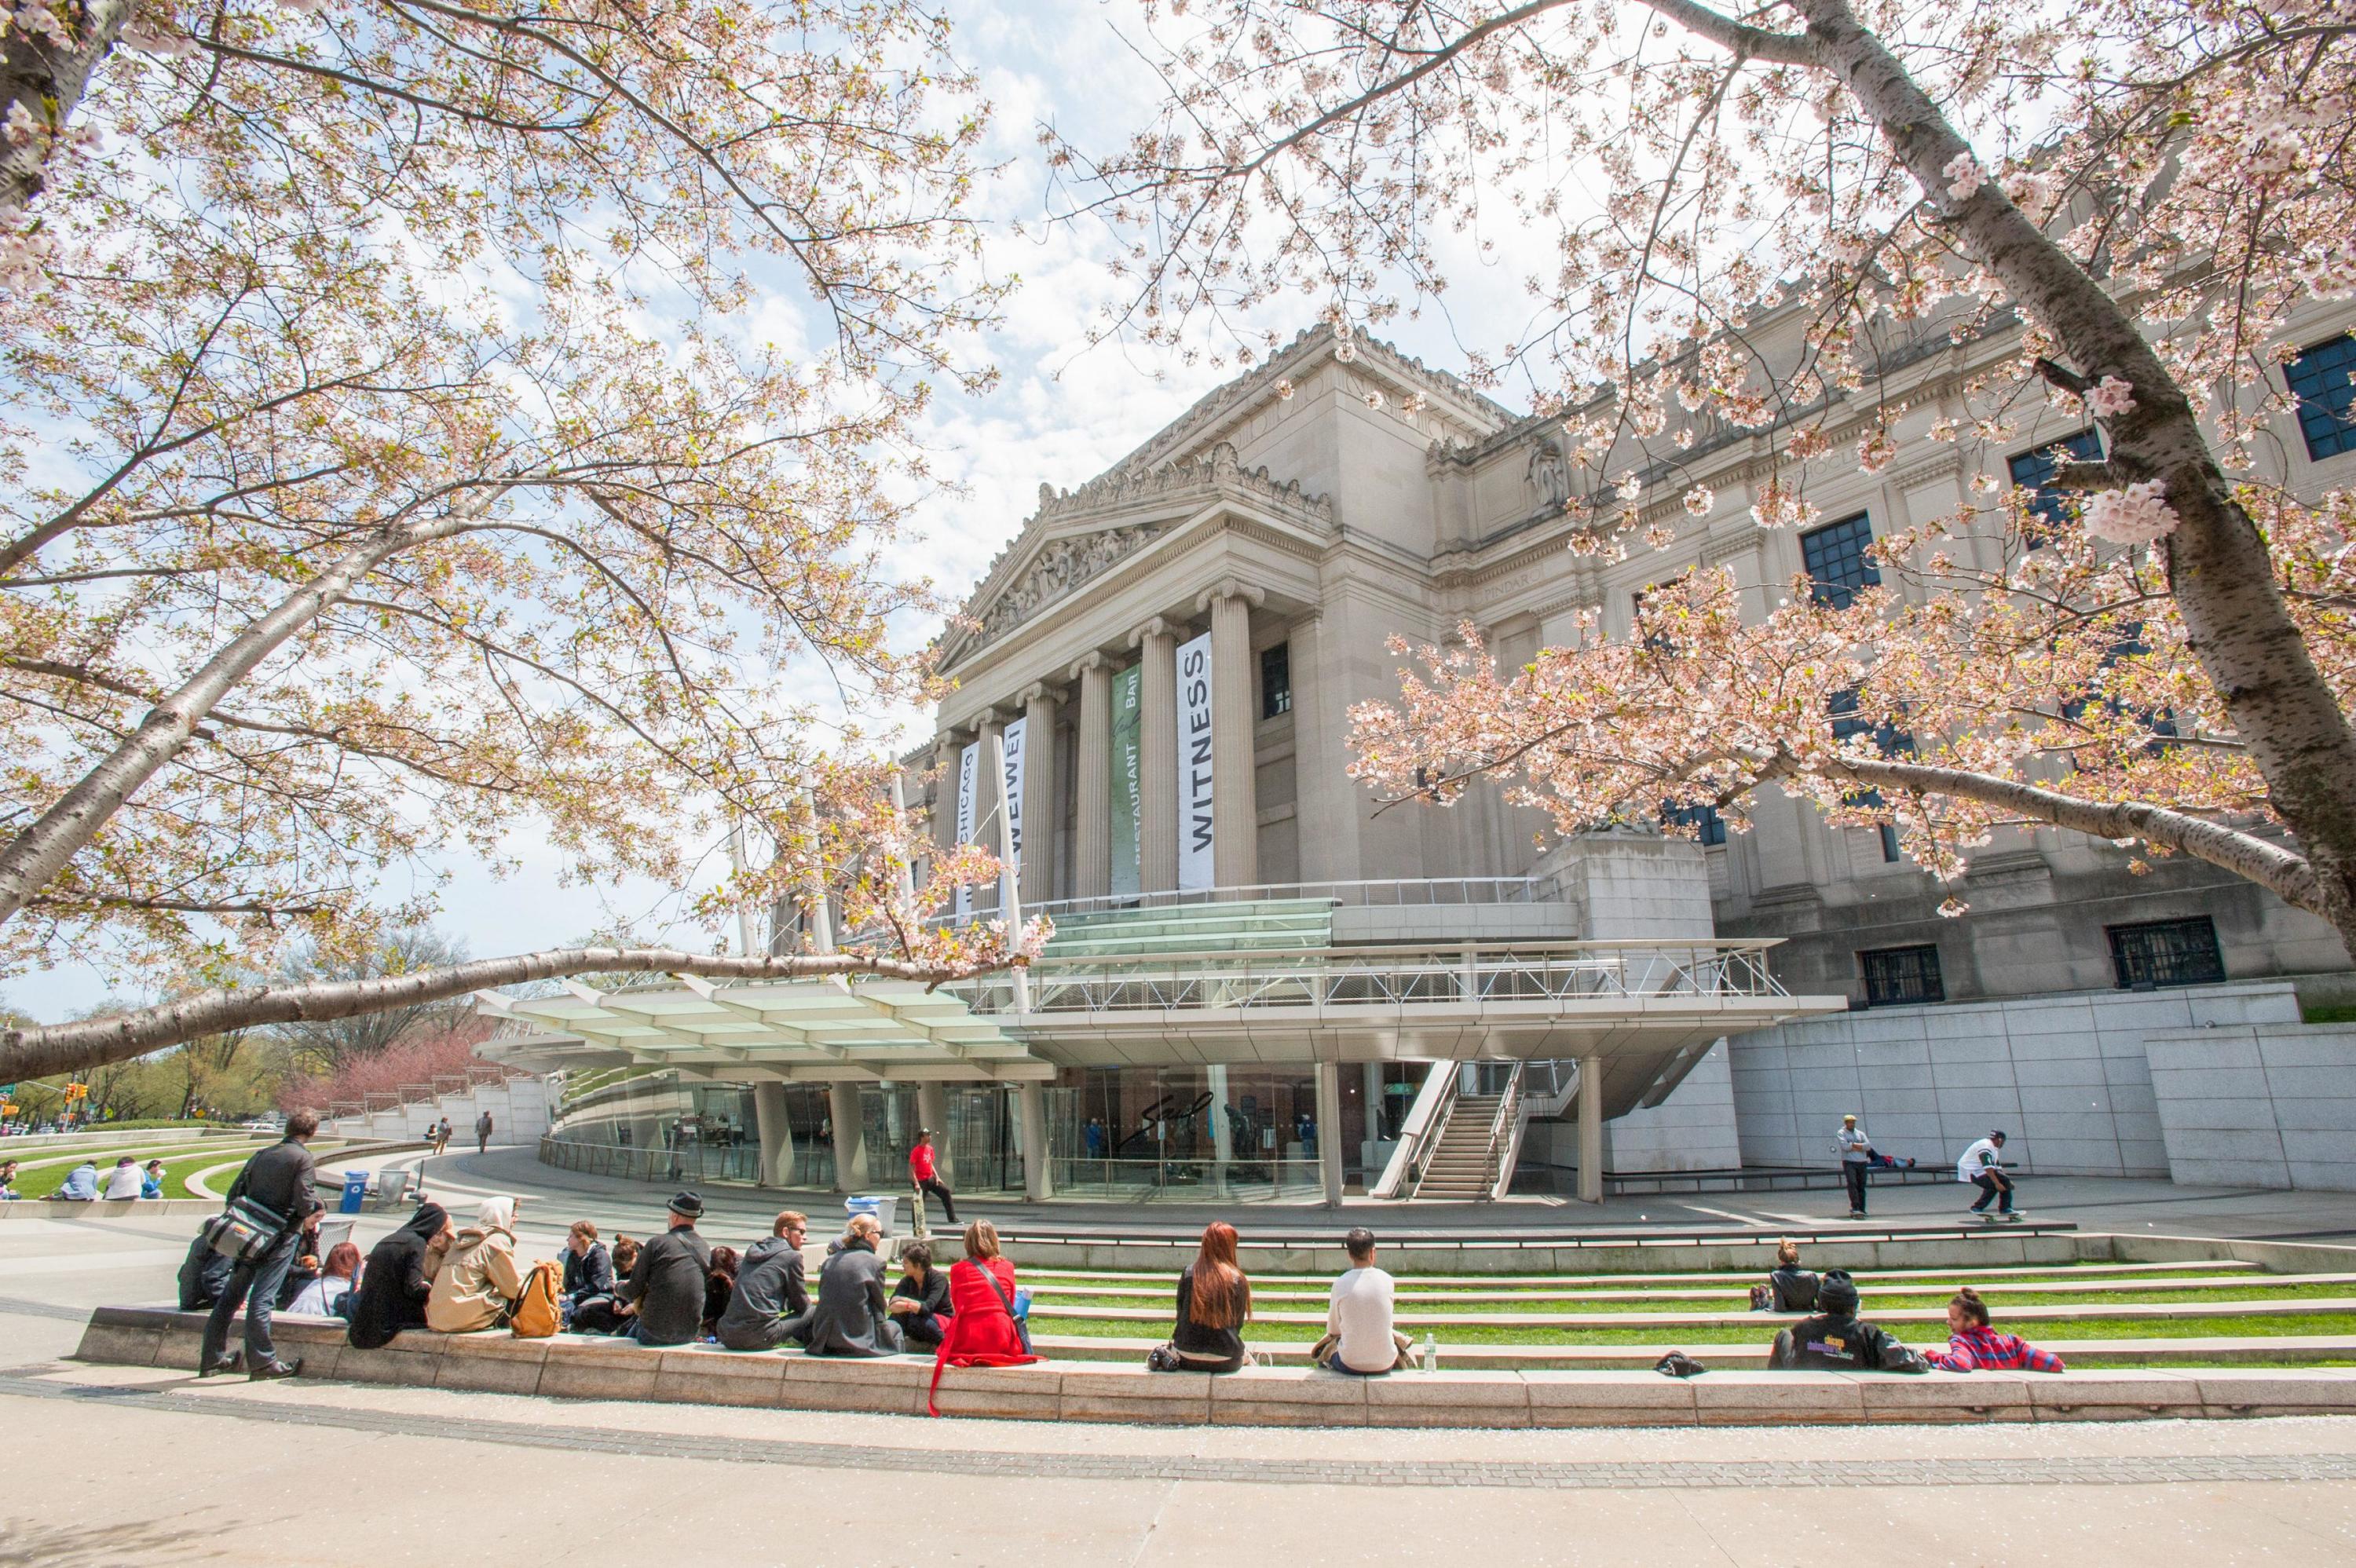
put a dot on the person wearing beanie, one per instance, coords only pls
(1836, 1340)
(667, 1284)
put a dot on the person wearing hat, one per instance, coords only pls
(666, 1285)
(1856, 1152)
(1836, 1340)
(924, 1171)
(1980, 1168)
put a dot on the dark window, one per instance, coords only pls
(1836, 562)
(1889, 843)
(2167, 952)
(2323, 379)
(1276, 681)
(1709, 826)
(2030, 470)
(1890, 739)
(1896, 975)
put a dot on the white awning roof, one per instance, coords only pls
(823, 1031)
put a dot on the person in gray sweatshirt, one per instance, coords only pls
(770, 1305)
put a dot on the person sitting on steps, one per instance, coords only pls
(1360, 1336)
(920, 1301)
(666, 1286)
(769, 1305)
(1789, 1287)
(1836, 1340)
(1214, 1304)
(1973, 1343)
(853, 1316)
(478, 1286)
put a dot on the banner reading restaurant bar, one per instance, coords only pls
(1126, 780)
(1195, 869)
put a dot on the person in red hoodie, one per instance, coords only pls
(923, 1169)
(983, 1330)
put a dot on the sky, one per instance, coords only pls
(1063, 412)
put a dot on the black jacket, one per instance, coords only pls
(204, 1274)
(394, 1286)
(667, 1285)
(852, 1318)
(1795, 1289)
(588, 1274)
(769, 1287)
(279, 1179)
(932, 1296)
(1827, 1344)
(1198, 1341)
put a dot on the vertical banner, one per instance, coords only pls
(969, 769)
(1195, 866)
(1013, 780)
(1126, 778)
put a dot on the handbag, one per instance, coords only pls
(1021, 1320)
(245, 1231)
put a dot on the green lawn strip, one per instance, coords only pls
(1732, 1302)
(2301, 1324)
(176, 1170)
(143, 1152)
(1166, 1283)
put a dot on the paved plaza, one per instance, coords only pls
(121, 1464)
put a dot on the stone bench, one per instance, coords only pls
(583, 1366)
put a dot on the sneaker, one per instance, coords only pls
(2016, 1217)
(276, 1369)
(233, 1363)
(1856, 1213)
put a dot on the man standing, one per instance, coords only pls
(278, 1180)
(1856, 1152)
(666, 1285)
(1979, 1167)
(924, 1167)
(483, 1133)
(770, 1305)
(1358, 1316)
(441, 1135)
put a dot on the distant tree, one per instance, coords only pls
(325, 1047)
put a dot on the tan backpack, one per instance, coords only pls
(536, 1316)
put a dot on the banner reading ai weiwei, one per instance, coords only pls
(1194, 868)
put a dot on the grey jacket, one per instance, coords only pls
(769, 1287)
(852, 1319)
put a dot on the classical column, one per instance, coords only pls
(947, 746)
(1092, 819)
(1157, 757)
(849, 1137)
(1329, 1131)
(775, 1133)
(1038, 1183)
(1039, 706)
(1235, 802)
(988, 794)
(1590, 1129)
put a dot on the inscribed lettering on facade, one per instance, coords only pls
(1126, 778)
(1195, 866)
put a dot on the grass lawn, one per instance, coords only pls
(2335, 1323)
(44, 1182)
(1998, 1297)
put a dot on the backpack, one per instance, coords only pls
(535, 1315)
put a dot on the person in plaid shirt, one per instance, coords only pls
(1972, 1344)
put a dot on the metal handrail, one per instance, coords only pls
(1507, 1104)
(1381, 893)
(1417, 1143)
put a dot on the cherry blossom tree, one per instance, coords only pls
(424, 418)
(1746, 227)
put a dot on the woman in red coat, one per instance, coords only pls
(983, 1333)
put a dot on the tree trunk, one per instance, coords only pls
(37, 1051)
(48, 80)
(2219, 571)
(33, 858)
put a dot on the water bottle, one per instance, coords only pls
(1430, 1352)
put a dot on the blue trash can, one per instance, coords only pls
(355, 1192)
(886, 1207)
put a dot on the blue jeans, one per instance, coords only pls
(1335, 1363)
(254, 1286)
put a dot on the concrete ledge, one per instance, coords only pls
(583, 1366)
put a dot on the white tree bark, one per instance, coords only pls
(48, 81)
(35, 856)
(37, 1051)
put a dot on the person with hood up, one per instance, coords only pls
(399, 1278)
(204, 1274)
(769, 1305)
(1835, 1340)
(478, 1284)
(123, 1181)
(666, 1285)
(81, 1184)
(853, 1316)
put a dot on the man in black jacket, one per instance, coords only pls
(279, 1179)
(770, 1303)
(1835, 1340)
(666, 1285)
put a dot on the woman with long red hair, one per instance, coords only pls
(1214, 1304)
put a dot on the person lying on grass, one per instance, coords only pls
(1973, 1344)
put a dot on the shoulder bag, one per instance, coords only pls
(245, 1231)
(1022, 1324)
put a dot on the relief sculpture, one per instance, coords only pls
(1062, 567)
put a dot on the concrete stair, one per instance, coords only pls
(1460, 1170)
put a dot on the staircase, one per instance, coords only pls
(1461, 1169)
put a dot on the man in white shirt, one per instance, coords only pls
(1979, 1169)
(1856, 1151)
(123, 1181)
(1358, 1320)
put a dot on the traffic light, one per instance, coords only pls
(77, 1091)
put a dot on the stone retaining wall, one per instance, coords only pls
(573, 1367)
